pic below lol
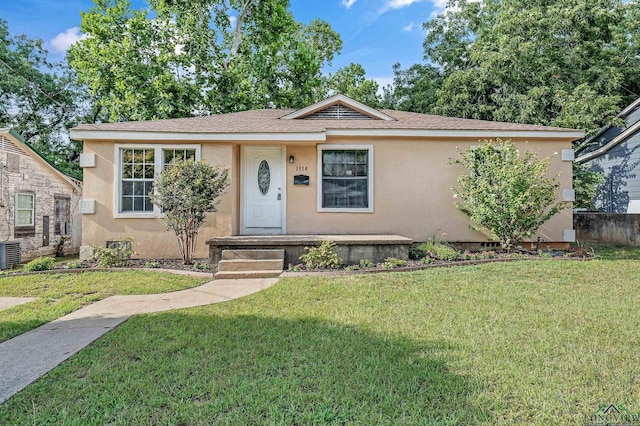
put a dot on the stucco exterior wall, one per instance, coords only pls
(24, 174)
(412, 195)
(151, 238)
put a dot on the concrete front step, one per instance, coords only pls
(232, 275)
(252, 254)
(245, 265)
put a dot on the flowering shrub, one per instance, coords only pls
(506, 192)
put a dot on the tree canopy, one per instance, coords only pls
(182, 58)
(568, 63)
(39, 99)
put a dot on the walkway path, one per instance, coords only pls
(28, 357)
(10, 302)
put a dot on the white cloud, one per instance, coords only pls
(63, 41)
(397, 4)
(348, 3)
(233, 20)
(408, 28)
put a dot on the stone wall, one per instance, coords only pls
(20, 173)
(607, 228)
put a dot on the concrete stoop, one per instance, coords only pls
(253, 263)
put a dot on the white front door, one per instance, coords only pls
(263, 190)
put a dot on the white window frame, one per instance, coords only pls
(158, 164)
(33, 209)
(370, 178)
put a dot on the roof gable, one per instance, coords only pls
(12, 142)
(338, 107)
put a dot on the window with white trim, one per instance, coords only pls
(346, 178)
(137, 166)
(25, 209)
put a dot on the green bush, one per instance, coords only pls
(74, 264)
(116, 255)
(439, 250)
(151, 264)
(417, 252)
(392, 262)
(366, 263)
(40, 264)
(322, 257)
(201, 266)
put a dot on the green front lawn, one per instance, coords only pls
(60, 294)
(507, 343)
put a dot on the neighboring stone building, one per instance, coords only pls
(38, 203)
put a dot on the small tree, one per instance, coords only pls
(185, 191)
(506, 192)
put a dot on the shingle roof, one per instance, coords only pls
(269, 121)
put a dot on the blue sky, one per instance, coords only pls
(375, 33)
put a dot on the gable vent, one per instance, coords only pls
(8, 146)
(337, 112)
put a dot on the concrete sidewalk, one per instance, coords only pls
(28, 357)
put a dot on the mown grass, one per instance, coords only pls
(514, 343)
(60, 294)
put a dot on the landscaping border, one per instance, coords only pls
(194, 274)
(291, 274)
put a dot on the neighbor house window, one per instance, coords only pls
(62, 215)
(345, 177)
(25, 209)
(137, 167)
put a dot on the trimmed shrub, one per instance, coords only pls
(40, 264)
(322, 257)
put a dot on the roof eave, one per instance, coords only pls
(629, 131)
(321, 136)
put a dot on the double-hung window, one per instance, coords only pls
(25, 209)
(345, 175)
(137, 165)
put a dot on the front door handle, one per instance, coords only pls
(279, 197)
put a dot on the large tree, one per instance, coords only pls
(39, 99)
(570, 63)
(351, 81)
(179, 58)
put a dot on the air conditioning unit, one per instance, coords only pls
(9, 254)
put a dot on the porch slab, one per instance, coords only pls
(351, 248)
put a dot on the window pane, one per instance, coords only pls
(127, 204)
(149, 156)
(138, 204)
(24, 217)
(138, 188)
(138, 171)
(25, 201)
(148, 205)
(127, 188)
(127, 171)
(149, 171)
(345, 193)
(168, 155)
(127, 156)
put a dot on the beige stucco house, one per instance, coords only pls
(38, 203)
(335, 167)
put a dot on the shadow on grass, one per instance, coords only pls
(177, 368)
